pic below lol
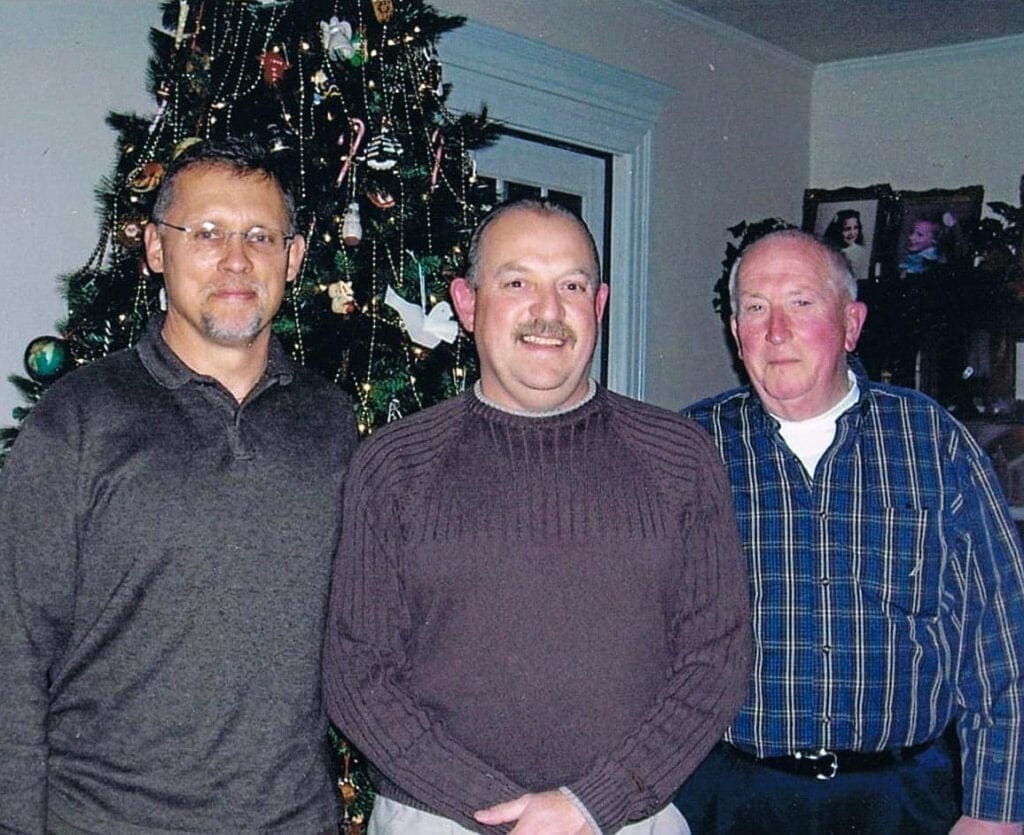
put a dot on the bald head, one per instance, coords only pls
(836, 267)
(542, 208)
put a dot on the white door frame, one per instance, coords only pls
(548, 91)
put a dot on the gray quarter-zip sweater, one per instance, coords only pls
(164, 566)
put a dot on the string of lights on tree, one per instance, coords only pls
(350, 94)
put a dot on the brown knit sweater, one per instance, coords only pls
(522, 603)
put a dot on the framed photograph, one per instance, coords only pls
(934, 227)
(856, 220)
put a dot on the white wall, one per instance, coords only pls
(63, 67)
(940, 118)
(732, 145)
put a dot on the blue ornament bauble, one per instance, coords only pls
(46, 358)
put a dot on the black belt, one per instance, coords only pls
(824, 764)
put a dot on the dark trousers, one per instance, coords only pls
(729, 793)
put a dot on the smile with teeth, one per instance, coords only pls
(534, 339)
(545, 333)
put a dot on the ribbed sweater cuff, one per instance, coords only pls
(607, 794)
(581, 808)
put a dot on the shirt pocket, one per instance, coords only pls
(898, 563)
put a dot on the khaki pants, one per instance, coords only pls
(393, 818)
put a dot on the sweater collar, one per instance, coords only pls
(484, 407)
(169, 371)
(478, 392)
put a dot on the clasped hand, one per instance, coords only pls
(545, 813)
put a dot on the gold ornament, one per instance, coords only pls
(383, 9)
(184, 145)
(342, 300)
(348, 792)
(129, 234)
(147, 178)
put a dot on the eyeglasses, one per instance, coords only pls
(209, 237)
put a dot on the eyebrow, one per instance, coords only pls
(801, 289)
(518, 267)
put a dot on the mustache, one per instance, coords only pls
(547, 328)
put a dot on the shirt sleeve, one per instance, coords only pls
(710, 674)
(990, 679)
(364, 658)
(37, 558)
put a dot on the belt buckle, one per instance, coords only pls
(828, 759)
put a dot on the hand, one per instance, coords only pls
(973, 826)
(547, 813)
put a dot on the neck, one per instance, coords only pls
(797, 413)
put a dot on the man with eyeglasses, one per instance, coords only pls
(170, 517)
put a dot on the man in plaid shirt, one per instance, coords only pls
(887, 583)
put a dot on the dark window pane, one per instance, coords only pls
(519, 191)
(572, 202)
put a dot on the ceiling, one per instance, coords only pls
(820, 31)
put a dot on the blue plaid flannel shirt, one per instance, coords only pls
(887, 591)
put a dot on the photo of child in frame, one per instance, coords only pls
(929, 347)
(854, 220)
(934, 227)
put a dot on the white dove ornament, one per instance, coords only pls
(426, 329)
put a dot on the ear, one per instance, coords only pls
(154, 247)
(296, 252)
(600, 301)
(735, 336)
(856, 313)
(464, 298)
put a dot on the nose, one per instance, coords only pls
(234, 254)
(778, 327)
(547, 303)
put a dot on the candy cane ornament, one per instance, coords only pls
(358, 129)
(438, 153)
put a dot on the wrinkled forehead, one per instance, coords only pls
(223, 187)
(528, 227)
(783, 260)
(222, 175)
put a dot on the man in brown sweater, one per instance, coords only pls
(539, 609)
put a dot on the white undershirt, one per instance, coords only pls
(808, 439)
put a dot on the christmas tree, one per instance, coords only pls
(350, 93)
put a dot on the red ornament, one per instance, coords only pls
(380, 198)
(275, 65)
